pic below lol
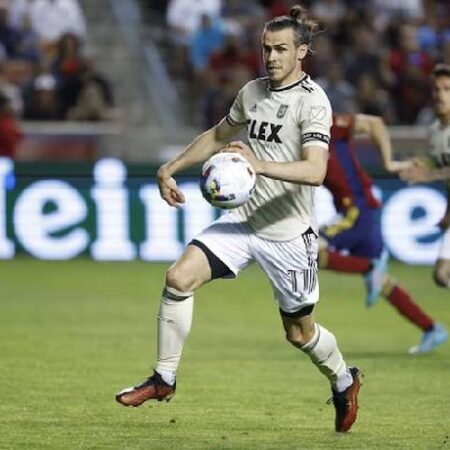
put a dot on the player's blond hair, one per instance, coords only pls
(304, 28)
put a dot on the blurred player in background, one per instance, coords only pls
(357, 230)
(436, 166)
(288, 119)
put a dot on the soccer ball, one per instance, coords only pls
(227, 180)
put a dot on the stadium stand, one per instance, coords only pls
(151, 67)
(375, 56)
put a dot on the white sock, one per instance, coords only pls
(325, 354)
(174, 324)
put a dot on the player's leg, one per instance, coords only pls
(204, 259)
(292, 271)
(433, 334)
(441, 272)
(321, 346)
(362, 238)
(343, 234)
(188, 273)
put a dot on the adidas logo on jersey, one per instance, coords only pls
(264, 131)
(253, 108)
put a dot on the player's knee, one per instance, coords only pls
(441, 275)
(181, 279)
(298, 337)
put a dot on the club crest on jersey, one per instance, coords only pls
(282, 111)
(317, 112)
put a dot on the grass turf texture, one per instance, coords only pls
(74, 333)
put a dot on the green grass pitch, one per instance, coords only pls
(74, 333)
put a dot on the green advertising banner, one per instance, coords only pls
(111, 211)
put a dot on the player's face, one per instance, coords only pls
(281, 57)
(441, 96)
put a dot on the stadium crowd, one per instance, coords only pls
(45, 73)
(373, 56)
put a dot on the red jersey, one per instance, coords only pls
(346, 179)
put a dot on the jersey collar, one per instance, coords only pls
(289, 86)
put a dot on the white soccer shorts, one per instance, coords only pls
(444, 249)
(291, 266)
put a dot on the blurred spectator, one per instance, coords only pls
(41, 101)
(17, 11)
(277, 8)
(68, 68)
(53, 18)
(328, 12)
(372, 99)
(159, 6)
(373, 56)
(9, 36)
(184, 17)
(411, 68)
(95, 100)
(324, 52)
(11, 92)
(219, 97)
(364, 58)
(92, 103)
(10, 134)
(409, 52)
(232, 54)
(434, 31)
(28, 47)
(241, 17)
(411, 93)
(387, 10)
(206, 39)
(340, 92)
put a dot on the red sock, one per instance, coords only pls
(344, 263)
(404, 304)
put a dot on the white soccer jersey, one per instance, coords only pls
(280, 123)
(439, 137)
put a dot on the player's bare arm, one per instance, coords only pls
(310, 170)
(198, 151)
(376, 129)
(422, 170)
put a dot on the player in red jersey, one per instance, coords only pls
(358, 232)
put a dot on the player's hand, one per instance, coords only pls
(398, 166)
(246, 152)
(418, 172)
(169, 190)
(444, 224)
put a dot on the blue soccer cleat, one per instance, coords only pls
(375, 278)
(430, 340)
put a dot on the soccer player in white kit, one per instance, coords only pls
(436, 166)
(288, 118)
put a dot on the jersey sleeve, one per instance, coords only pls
(236, 115)
(315, 120)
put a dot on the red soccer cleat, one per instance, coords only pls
(154, 388)
(346, 402)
